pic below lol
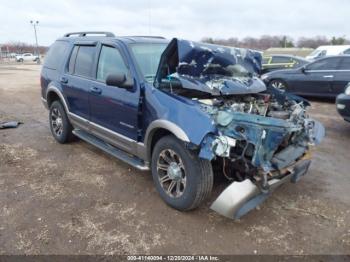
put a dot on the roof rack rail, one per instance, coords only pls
(147, 36)
(82, 34)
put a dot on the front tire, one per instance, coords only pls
(60, 126)
(278, 84)
(182, 179)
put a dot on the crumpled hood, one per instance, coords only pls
(213, 69)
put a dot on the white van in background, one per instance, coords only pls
(327, 50)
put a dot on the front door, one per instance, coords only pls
(113, 110)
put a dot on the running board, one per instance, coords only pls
(121, 155)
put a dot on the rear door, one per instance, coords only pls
(114, 110)
(76, 81)
(317, 78)
(342, 76)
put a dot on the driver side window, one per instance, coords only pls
(110, 62)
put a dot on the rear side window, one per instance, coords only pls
(110, 62)
(347, 51)
(84, 61)
(56, 55)
(345, 64)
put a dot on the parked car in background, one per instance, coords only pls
(275, 62)
(329, 50)
(343, 103)
(326, 77)
(26, 57)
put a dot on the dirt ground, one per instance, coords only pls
(75, 199)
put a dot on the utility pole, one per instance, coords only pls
(35, 24)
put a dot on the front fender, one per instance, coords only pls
(179, 115)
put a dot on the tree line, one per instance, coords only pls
(261, 43)
(21, 47)
(266, 41)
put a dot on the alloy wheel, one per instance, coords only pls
(56, 121)
(278, 84)
(171, 173)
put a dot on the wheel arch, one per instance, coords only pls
(160, 128)
(53, 94)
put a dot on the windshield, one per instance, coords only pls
(147, 56)
(318, 53)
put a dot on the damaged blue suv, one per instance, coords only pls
(180, 109)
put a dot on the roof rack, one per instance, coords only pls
(82, 34)
(147, 36)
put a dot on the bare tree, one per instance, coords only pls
(21, 47)
(266, 41)
(312, 42)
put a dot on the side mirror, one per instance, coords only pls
(303, 70)
(119, 80)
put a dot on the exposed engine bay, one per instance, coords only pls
(260, 134)
(257, 104)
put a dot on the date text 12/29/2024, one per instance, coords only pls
(173, 258)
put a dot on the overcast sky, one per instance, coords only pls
(185, 19)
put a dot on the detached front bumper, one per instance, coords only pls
(241, 197)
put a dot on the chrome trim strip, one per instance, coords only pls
(112, 132)
(326, 71)
(142, 152)
(82, 119)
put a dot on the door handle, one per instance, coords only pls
(96, 90)
(328, 76)
(64, 80)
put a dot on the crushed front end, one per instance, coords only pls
(262, 136)
(263, 140)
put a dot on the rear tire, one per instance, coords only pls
(60, 126)
(182, 179)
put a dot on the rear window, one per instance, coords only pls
(84, 61)
(56, 55)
